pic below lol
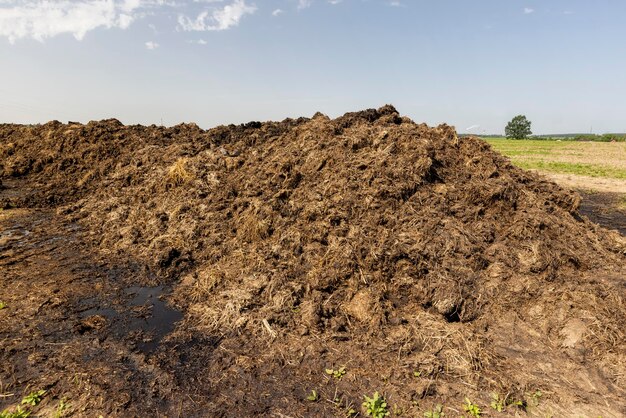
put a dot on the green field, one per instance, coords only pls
(591, 159)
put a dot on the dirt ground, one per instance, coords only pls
(151, 271)
(610, 186)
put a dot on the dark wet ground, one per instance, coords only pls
(78, 325)
(142, 312)
(605, 209)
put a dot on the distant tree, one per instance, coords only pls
(518, 128)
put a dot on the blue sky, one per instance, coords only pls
(467, 63)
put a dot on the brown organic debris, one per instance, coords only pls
(367, 240)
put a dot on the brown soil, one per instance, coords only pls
(179, 272)
(587, 184)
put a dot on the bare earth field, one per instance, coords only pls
(289, 269)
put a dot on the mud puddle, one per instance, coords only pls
(143, 317)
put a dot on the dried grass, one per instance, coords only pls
(178, 174)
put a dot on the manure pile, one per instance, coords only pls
(426, 265)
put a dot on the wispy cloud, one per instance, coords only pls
(528, 10)
(218, 19)
(43, 19)
(197, 41)
(303, 4)
(40, 19)
(277, 12)
(152, 45)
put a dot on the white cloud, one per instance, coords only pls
(219, 19)
(528, 10)
(303, 4)
(41, 19)
(197, 41)
(152, 45)
(277, 12)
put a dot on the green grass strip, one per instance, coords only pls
(591, 170)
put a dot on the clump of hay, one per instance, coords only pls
(178, 173)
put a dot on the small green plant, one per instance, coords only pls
(376, 406)
(344, 407)
(33, 398)
(2, 305)
(436, 412)
(313, 396)
(471, 408)
(17, 413)
(417, 373)
(497, 402)
(337, 374)
(535, 397)
(61, 408)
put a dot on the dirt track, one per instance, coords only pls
(426, 265)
